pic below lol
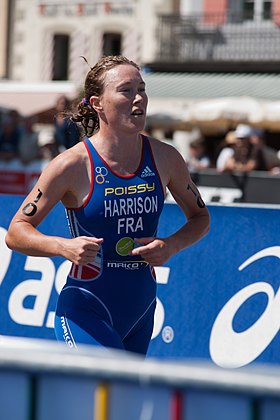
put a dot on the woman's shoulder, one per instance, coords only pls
(167, 158)
(164, 152)
(161, 146)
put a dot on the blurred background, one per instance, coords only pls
(209, 66)
(211, 69)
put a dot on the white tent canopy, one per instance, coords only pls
(219, 114)
(228, 110)
(175, 112)
(218, 101)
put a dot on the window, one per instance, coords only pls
(112, 43)
(257, 10)
(235, 11)
(248, 9)
(60, 57)
(267, 10)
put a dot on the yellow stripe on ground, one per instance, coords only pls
(101, 402)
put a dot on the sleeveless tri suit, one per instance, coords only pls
(111, 301)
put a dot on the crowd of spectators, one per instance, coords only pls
(246, 150)
(242, 150)
(24, 141)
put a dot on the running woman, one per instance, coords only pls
(113, 185)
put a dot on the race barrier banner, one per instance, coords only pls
(17, 181)
(217, 300)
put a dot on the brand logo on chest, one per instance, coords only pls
(147, 172)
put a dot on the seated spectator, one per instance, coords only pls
(226, 151)
(47, 146)
(198, 158)
(10, 134)
(270, 154)
(247, 156)
(276, 168)
(28, 144)
(66, 131)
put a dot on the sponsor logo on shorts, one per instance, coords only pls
(66, 334)
(127, 265)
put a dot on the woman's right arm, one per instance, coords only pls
(52, 186)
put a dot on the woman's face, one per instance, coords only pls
(123, 102)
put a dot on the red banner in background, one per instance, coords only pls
(17, 181)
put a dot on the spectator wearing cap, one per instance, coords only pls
(271, 159)
(10, 134)
(226, 150)
(247, 156)
(198, 158)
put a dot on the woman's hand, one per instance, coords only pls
(81, 250)
(154, 251)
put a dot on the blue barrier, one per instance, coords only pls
(217, 300)
(52, 382)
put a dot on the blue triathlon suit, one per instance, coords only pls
(111, 301)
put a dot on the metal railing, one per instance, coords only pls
(218, 37)
(40, 380)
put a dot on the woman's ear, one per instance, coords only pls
(95, 103)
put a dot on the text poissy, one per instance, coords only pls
(131, 189)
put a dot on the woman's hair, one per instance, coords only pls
(94, 85)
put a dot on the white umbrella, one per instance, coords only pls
(271, 119)
(228, 111)
(168, 113)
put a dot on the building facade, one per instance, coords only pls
(4, 19)
(43, 40)
(225, 35)
(48, 37)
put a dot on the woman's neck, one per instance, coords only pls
(123, 154)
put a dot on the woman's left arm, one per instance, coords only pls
(157, 251)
